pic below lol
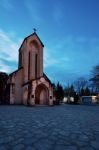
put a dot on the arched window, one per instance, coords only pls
(36, 61)
(20, 59)
(29, 63)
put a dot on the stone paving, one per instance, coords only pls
(66, 127)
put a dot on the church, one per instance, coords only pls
(29, 85)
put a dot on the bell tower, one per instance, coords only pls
(31, 57)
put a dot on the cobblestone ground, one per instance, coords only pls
(67, 127)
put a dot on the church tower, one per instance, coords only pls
(31, 57)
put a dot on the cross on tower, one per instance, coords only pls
(34, 29)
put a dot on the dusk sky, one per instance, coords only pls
(69, 30)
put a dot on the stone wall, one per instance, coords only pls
(18, 87)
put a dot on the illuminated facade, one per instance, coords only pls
(29, 85)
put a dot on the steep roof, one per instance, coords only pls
(11, 74)
(30, 36)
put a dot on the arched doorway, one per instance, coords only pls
(41, 95)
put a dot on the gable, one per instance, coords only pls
(32, 37)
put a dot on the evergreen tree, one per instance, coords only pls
(82, 92)
(72, 91)
(3, 85)
(59, 93)
(69, 91)
(87, 91)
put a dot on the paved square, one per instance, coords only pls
(68, 127)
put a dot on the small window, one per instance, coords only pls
(50, 97)
(32, 96)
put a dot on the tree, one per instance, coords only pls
(76, 98)
(87, 91)
(3, 85)
(82, 92)
(66, 91)
(95, 77)
(92, 88)
(72, 91)
(69, 91)
(59, 93)
(80, 83)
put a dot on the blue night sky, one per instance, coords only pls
(69, 30)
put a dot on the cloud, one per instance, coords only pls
(52, 59)
(6, 4)
(58, 13)
(4, 67)
(33, 8)
(77, 48)
(48, 59)
(71, 58)
(8, 51)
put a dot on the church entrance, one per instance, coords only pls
(41, 95)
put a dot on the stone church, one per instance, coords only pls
(28, 84)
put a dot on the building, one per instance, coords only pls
(89, 99)
(28, 85)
